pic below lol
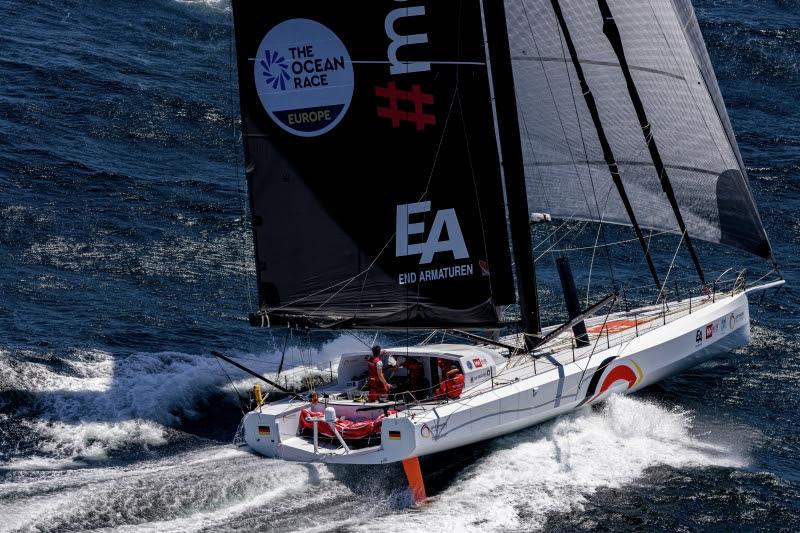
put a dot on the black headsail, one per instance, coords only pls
(372, 164)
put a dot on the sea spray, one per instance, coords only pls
(556, 466)
(97, 403)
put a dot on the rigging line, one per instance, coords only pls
(615, 243)
(601, 229)
(238, 396)
(283, 355)
(581, 225)
(554, 244)
(578, 230)
(591, 266)
(567, 220)
(536, 173)
(664, 286)
(394, 235)
(356, 337)
(555, 107)
(612, 33)
(591, 263)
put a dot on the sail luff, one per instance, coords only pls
(608, 153)
(611, 31)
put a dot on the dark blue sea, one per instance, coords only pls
(125, 257)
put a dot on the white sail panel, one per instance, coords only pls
(566, 172)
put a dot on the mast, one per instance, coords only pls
(611, 31)
(510, 146)
(608, 154)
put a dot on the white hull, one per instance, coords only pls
(517, 397)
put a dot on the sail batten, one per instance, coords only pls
(611, 31)
(608, 154)
(669, 66)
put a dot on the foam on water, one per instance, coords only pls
(216, 4)
(207, 489)
(208, 480)
(524, 478)
(555, 467)
(97, 403)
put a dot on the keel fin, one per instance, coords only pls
(414, 477)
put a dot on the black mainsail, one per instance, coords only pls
(372, 164)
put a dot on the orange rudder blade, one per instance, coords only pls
(414, 477)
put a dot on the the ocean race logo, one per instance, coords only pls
(304, 77)
(276, 70)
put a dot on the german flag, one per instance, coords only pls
(394, 435)
(263, 431)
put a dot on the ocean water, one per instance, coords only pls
(125, 258)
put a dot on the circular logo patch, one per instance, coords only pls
(425, 432)
(304, 77)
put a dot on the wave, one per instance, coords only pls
(223, 5)
(519, 482)
(556, 467)
(214, 488)
(96, 403)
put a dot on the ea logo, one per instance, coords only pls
(304, 77)
(445, 222)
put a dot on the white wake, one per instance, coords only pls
(555, 467)
(97, 402)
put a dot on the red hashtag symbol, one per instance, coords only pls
(415, 96)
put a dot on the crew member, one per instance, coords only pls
(416, 382)
(452, 382)
(378, 387)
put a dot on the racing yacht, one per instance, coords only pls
(394, 153)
